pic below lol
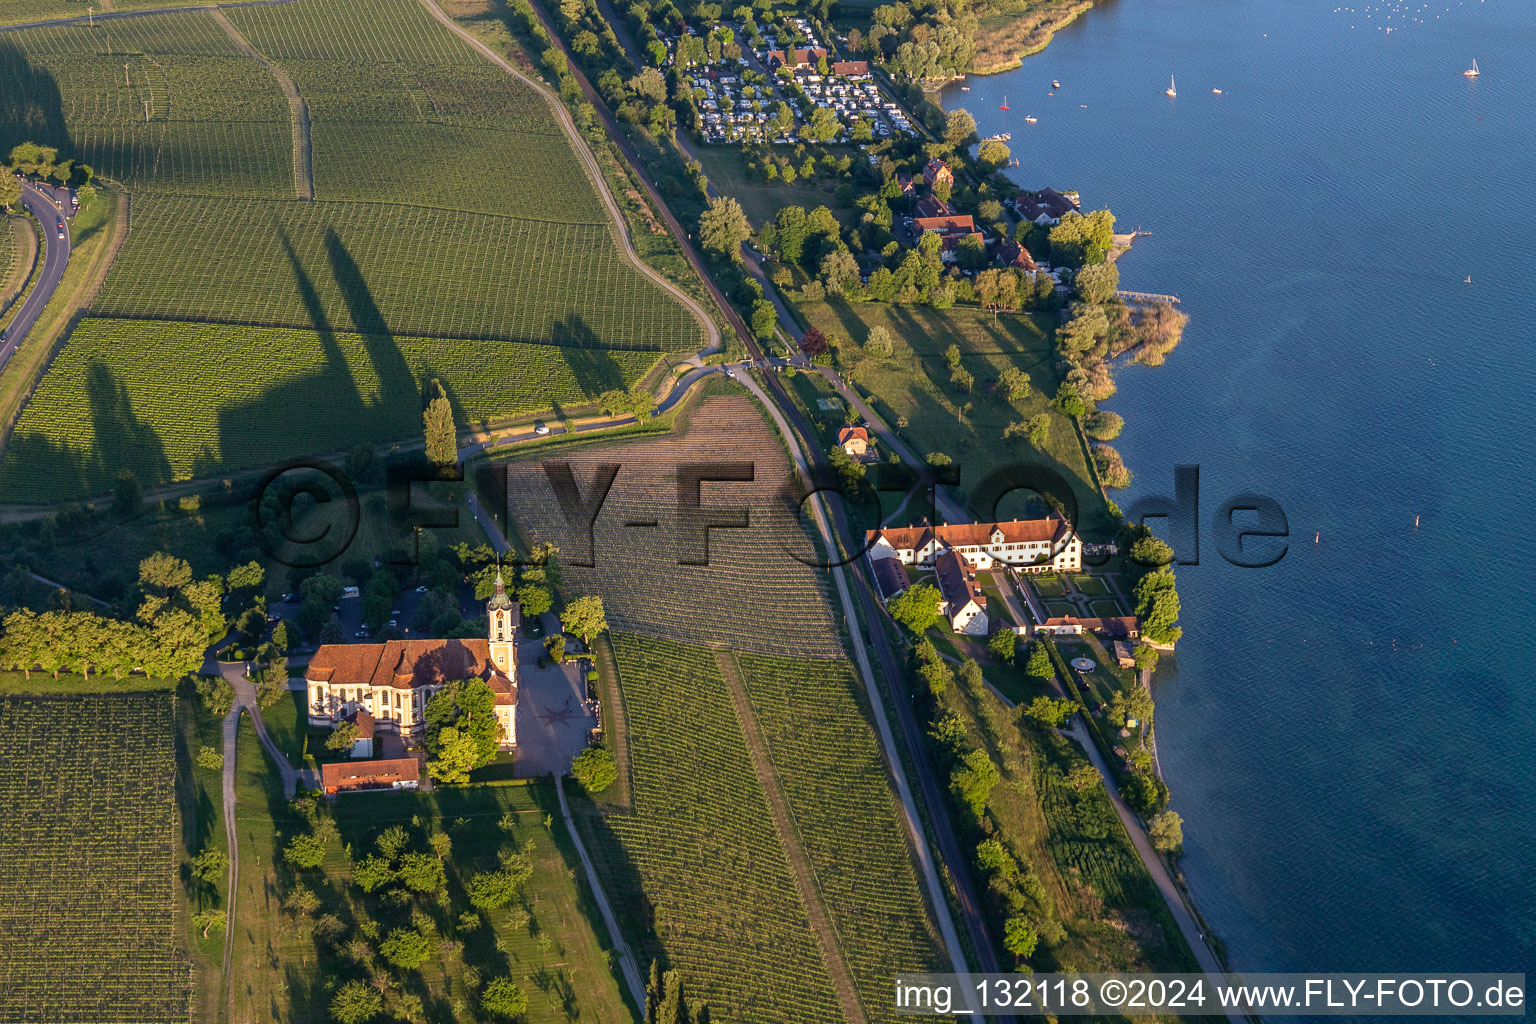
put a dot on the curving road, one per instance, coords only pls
(55, 259)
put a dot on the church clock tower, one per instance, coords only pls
(502, 616)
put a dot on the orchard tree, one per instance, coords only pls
(879, 344)
(356, 1003)
(503, 998)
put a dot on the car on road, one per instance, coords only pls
(61, 230)
(4, 332)
(729, 372)
(422, 590)
(361, 634)
(541, 430)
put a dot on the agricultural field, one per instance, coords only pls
(752, 595)
(913, 385)
(696, 868)
(89, 896)
(822, 745)
(452, 219)
(228, 397)
(25, 12)
(286, 962)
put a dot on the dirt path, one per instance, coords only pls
(231, 731)
(799, 863)
(303, 154)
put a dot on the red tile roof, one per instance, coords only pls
(1116, 626)
(955, 582)
(341, 776)
(932, 206)
(1017, 531)
(850, 433)
(960, 224)
(408, 664)
(1015, 255)
(850, 67)
(364, 722)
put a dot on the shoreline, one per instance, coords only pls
(1209, 938)
(1017, 59)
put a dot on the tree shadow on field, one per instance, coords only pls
(31, 106)
(326, 410)
(592, 363)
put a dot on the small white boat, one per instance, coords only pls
(1055, 84)
(965, 88)
(1472, 71)
(1171, 91)
(1030, 118)
(1216, 91)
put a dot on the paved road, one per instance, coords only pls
(55, 259)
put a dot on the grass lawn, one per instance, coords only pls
(761, 200)
(200, 800)
(913, 386)
(1090, 585)
(1058, 609)
(43, 684)
(1107, 608)
(545, 941)
(1048, 586)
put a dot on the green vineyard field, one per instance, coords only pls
(222, 396)
(829, 766)
(698, 867)
(88, 838)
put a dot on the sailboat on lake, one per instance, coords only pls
(1171, 91)
(1005, 105)
(1472, 71)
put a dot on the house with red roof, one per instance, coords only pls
(1029, 545)
(370, 776)
(392, 682)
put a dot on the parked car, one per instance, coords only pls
(361, 634)
(541, 430)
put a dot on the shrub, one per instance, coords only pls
(595, 769)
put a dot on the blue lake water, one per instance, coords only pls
(1348, 733)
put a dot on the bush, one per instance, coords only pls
(595, 769)
(503, 998)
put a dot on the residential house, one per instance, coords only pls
(937, 170)
(850, 68)
(1014, 255)
(795, 60)
(932, 206)
(949, 245)
(1045, 207)
(855, 441)
(1029, 545)
(393, 681)
(904, 184)
(962, 602)
(370, 776)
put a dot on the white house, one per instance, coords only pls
(393, 681)
(1029, 545)
(962, 600)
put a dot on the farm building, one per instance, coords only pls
(891, 578)
(393, 681)
(1120, 627)
(370, 776)
(1125, 654)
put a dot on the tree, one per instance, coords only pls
(30, 158)
(959, 126)
(839, 270)
(1157, 605)
(1051, 711)
(972, 780)
(595, 769)
(1038, 666)
(372, 872)
(992, 155)
(164, 573)
(467, 710)
(305, 851)
(1068, 402)
(503, 998)
(534, 599)
(723, 226)
(302, 900)
(961, 379)
(422, 872)
(209, 866)
(10, 189)
(87, 195)
(457, 755)
(1104, 426)
(764, 319)
(1004, 644)
(406, 948)
(916, 608)
(1019, 937)
(1151, 552)
(437, 422)
(971, 252)
(1167, 832)
(584, 617)
(342, 737)
(209, 758)
(209, 920)
(879, 343)
(356, 1003)
(1097, 283)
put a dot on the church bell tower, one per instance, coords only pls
(501, 617)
